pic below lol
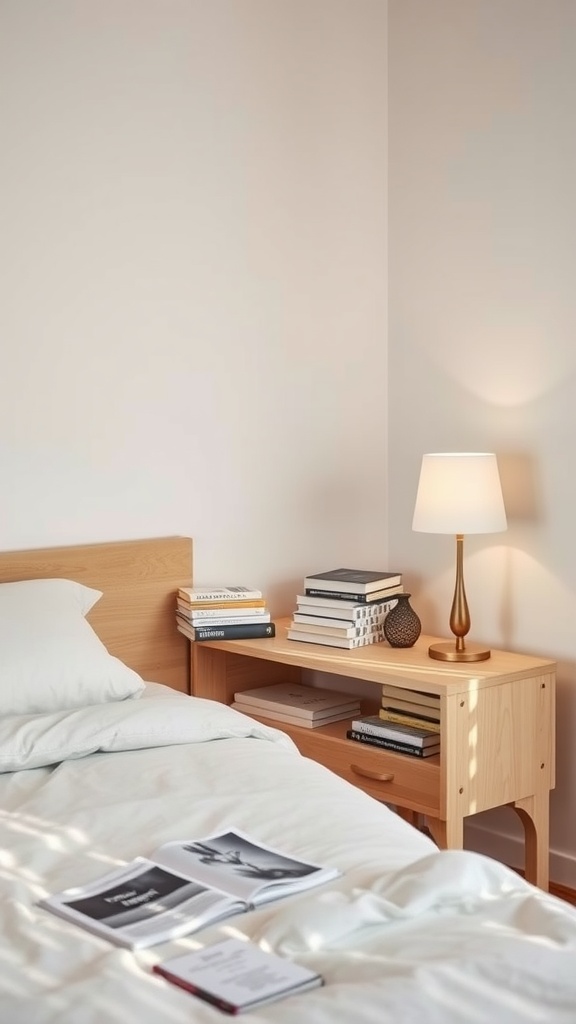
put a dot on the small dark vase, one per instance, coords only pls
(402, 627)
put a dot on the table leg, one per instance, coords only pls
(534, 813)
(448, 835)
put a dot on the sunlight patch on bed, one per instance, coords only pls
(32, 825)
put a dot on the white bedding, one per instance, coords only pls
(407, 933)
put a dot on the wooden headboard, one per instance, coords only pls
(135, 617)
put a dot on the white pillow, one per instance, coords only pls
(50, 657)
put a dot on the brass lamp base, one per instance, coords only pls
(448, 652)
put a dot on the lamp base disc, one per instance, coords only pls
(448, 652)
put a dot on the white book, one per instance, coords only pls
(205, 621)
(342, 609)
(236, 975)
(231, 609)
(185, 885)
(305, 723)
(347, 643)
(345, 623)
(219, 593)
(326, 620)
(297, 699)
(362, 629)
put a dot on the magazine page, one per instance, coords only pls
(242, 866)
(142, 904)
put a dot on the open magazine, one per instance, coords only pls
(184, 886)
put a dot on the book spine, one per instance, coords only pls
(379, 741)
(340, 595)
(294, 711)
(345, 620)
(238, 611)
(401, 719)
(257, 602)
(225, 594)
(417, 710)
(354, 613)
(416, 696)
(209, 621)
(366, 629)
(389, 732)
(250, 631)
(335, 641)
(280, 716)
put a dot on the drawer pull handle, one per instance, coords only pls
(380, 776)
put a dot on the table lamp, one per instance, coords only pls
(459, 492)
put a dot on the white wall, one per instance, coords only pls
(482, 346)
(193, 280)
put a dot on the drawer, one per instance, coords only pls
(394, 778)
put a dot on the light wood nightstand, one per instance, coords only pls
(497, 731)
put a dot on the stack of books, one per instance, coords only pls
(296, 704)
(401, 739)
(223, 613)
(344, 607)
(410, 707)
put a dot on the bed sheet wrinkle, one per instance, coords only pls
(31, 741)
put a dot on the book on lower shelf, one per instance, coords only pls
(184, 886)
(404, 718)
(394, 746)
(283, 718)
(417, 696)
(298, 700)
(352, 581)
(240, 631)
(236, 975)
(373, 725)
(412, 708)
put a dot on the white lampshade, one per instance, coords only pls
(459, 492)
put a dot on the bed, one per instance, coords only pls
(93, 774)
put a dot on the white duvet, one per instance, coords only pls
(407, 933)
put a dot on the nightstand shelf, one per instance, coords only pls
(496, 731)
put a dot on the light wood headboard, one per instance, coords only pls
(136, 616)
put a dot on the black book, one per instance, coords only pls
(241, 631)
(393, 745)
(358, 598)
(354, 581)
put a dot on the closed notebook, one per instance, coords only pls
(305, 723)
(237, 976)
(297, 700)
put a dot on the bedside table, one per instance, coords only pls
(497, 728)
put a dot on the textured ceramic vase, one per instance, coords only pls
(402, 627)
